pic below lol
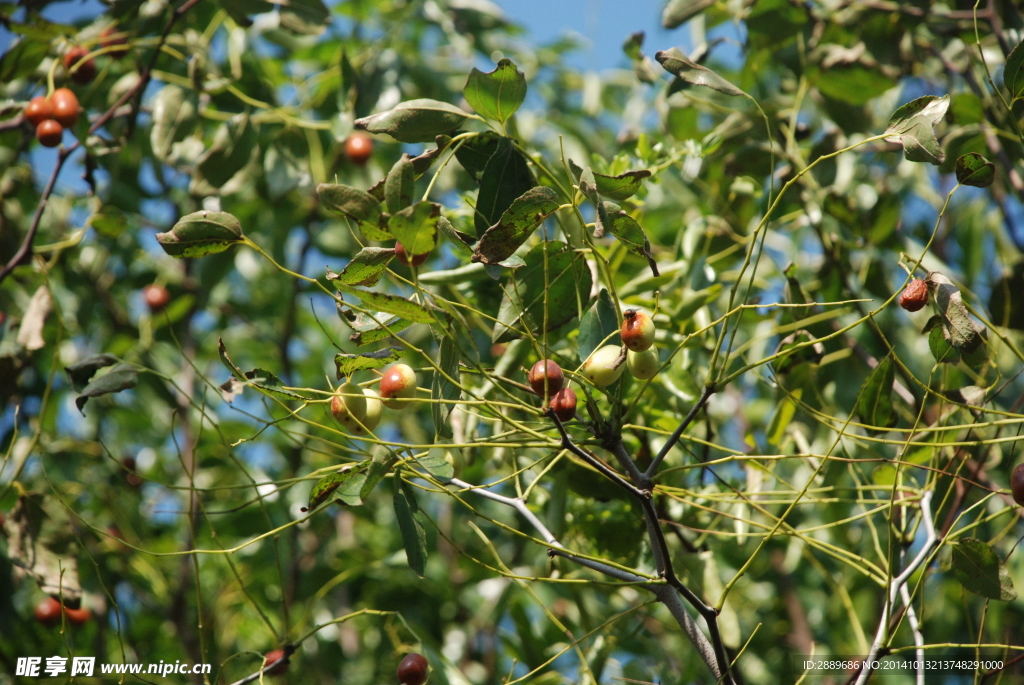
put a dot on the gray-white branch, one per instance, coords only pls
(896, 584)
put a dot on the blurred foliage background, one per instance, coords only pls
(789, 503)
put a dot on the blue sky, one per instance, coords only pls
(604, 24)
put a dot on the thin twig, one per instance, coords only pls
(705, 395)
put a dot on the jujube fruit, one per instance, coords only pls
(412, 670)
(643, 365)
(1017, 484)
(359, 147)
(132, 478)
(349, 407)
(914, 296)
(563, 403)
(399, 382)
(85, 71)
(49, 133)
(604, 366)
(403, 256)
(637, 330)
(78, 616)
(47, 612)
(272, 667)
(546, 371)
(156, 296)
(374, 409)
(65, 107)
(38, 110)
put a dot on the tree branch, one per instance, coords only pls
(895, 585)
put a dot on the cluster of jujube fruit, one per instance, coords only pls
(49, 610)
(359, 410)
(603, 367)
(51, 114)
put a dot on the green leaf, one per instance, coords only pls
(565, 290)
(960, 327)
(938, 342)
(422, 163)
(597, 324)
(226, 360)
(974, 170)
(496, 95)
(626, 229)
(174, 117)
(783, 416)
(269, 384)
(632, 46)
(619, 188)
(435, 464)
(794, 295)
(121, 377)
(380, 465)
(911, 126)
(414, 538)
(1013, 71)
(415, 121)
(241, 10)
(201, 233)
(357, 205)
(81, 372)
(366, 268)
(476, 151)
(678, 12)
(347, 364)
(978, 357)
(516, 225)
(505, 178)
(806, 349)
(416, 227)
(875, 402)
(980, 570)
(22, 59)
(35, 28)
(377, 332)
(1006, 303)
(305, 17)
(391, 304)
(462, 242)
(443, 389)
(285, 165)
(853, 83)
(329, 485)
(690, 301)
(399, 186)
(675, 62)
(234, 144)
(109, 221)
(588, 186)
